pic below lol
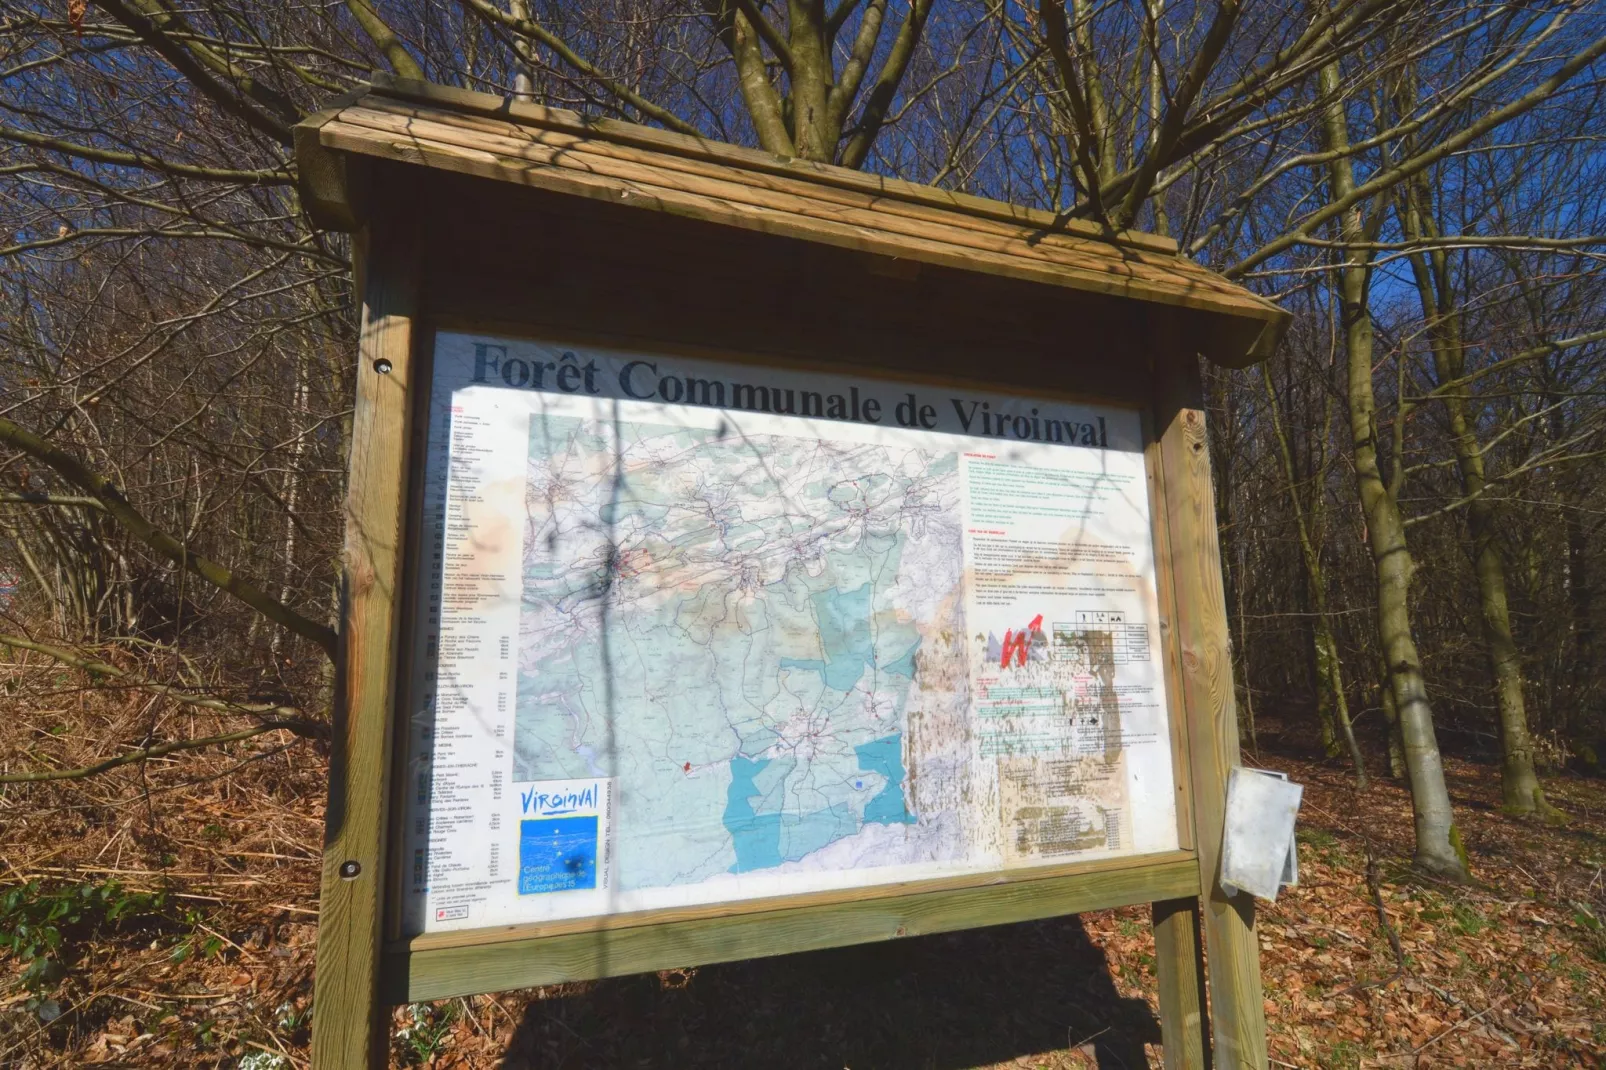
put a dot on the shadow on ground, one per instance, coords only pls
(929, 1003)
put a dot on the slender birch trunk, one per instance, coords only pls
(1332, 707)
(1438, 842)
(292, 496)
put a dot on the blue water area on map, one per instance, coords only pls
(765, 840)
(757, 837)
(846, 637)
(557, 854)
(885, 756)
(844, 621)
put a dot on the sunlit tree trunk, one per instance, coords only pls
(1437, 839)
(523, 83)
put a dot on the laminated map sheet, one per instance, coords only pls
(695, 632)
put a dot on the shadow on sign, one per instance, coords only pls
(968, 999)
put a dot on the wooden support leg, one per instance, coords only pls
(1179, 962)
(348, 1020)
(1238, 1020)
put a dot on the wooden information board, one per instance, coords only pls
(747, 557)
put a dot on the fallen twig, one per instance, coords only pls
(96, 667)
(155, 751)
(1375, 886)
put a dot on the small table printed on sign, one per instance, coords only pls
(1128, 642)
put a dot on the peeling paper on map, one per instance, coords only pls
(694, 632)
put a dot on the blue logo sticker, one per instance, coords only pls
(557, 854)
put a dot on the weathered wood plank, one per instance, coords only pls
(1090, 871)
(1114, 279)
(332, 185)
(578, 150)
(455, 971)
(1238, 1023)
(1170, 651)
(1179, 966)
(348, 1028)
(1247, 322)
(670, 143)
(655, 178)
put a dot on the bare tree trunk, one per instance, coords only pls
(1580, 606)
(1391, 716)
(1326, 725)
(292, 496)
(1519, 783)
(1438, 842)
(523, 83)
(1153, 10)
(1332, 707)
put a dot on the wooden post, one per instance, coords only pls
(1179, 964)
(1178, 953)
(1238, 1021)
(348, 1020)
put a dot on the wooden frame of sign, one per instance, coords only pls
(475, 216)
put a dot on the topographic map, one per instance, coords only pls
(697, 632)
(730, 625)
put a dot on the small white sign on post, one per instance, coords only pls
(1259, 855)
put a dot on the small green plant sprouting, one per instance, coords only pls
(1316, 837)
(288, 1017)
(39, 922)
(206, 948)
(1593, 928)
(1345, 1055)
(1585, 918)
(1469, 920)
(424, 1037)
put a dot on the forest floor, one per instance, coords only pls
(183, 902)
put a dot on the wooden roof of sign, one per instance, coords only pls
(560, 151)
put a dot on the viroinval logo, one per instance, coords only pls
(1018, 644)
(554, 803)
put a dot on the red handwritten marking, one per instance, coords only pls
(686, 768)
(1016, 644)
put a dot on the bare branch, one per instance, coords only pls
(276, 177)
(79, 474)
(156, 751)
(771, 36)
(752, 77)
(1423, 160)
(97, 667)
(384, 38)
(886, 86)
(275, 123)
(1052, 12)
(1176, 112)
(840, 100)
(530, 28)
(30, 498)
